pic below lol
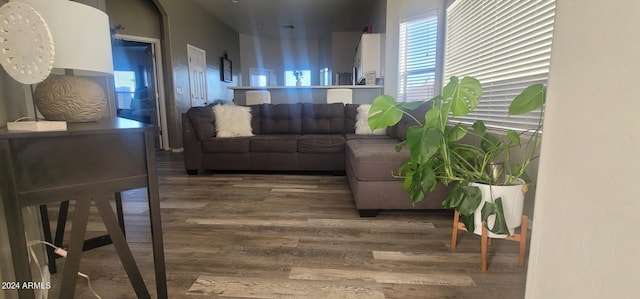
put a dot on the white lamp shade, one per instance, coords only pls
(81, 36)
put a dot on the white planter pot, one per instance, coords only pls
(512, 204)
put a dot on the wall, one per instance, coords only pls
(138, 17)
(279, 55)
(379, 22)
(99, 4)
(12, 106)
(12, 99)
(396, 11)
(324, 53)
(344, 44)
(183, 22)
(584, 243)
(335, 52)
(343, 49)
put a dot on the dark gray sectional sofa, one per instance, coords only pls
(309, 137)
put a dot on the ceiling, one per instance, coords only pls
(291, 19)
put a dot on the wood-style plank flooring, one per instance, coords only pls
(235, 235)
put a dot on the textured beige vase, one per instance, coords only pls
(70, 98)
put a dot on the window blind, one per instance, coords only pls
(504, 44)
(417, 58)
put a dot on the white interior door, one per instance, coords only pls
(197, 75)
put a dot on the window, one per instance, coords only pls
(504, 44)
(260, 77)
(290, 78)
(325, 76)
(125, 82)
(417, 57)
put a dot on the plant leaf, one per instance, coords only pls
(465, 199)
(412, 180)
(531, 98)
(456, 133)
(466, 96)
(491, 143)
(411, 105)
(524, 176)
(428, 180)
(384, 112)
(479, 127)
(469, 222)
(495, 208)
(423, 142)
(514, 137)
(432, 117)
(400, 145)
(472, 199)
(450, 88)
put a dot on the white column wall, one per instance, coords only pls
(585, 240)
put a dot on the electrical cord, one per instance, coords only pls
(22, 118)
(61, 252)
(32, 254)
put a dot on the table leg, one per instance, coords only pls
(454, 233)
(120, 212)
(76, 240)
(46, 229)
(119, 242)
(62, 223)
(483, 247)
(153, 196)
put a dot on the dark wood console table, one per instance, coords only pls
(87, 163)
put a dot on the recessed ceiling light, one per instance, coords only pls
(234, 1)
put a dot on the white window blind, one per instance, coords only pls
(504, 44)
(417, 58)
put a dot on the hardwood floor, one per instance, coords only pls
(291, 236)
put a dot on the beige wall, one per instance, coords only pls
(183, 22)
(343, 49)
(335, 52)
(138, 17)
(178, 23)
(12, 99)
(585, 242)
(279, 56)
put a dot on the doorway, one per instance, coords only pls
(139, 92)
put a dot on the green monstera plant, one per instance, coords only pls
(438, 153)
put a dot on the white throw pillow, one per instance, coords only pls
(362, 122)
(232, 121)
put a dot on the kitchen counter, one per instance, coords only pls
(362, 94)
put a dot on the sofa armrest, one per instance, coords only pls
(192, 146)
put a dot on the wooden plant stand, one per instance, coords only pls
(486, 240)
